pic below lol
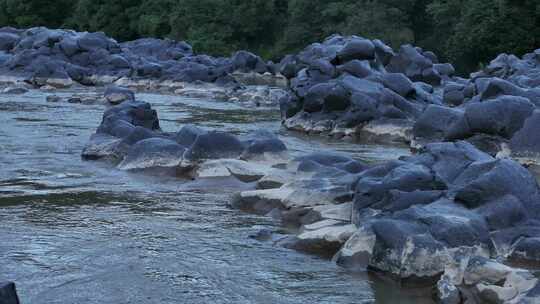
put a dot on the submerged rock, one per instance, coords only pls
(16, 90)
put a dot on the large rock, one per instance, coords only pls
(153, 153)
(398, 83)
(421, 216)
(214, 145)
(502, 116)
(438, 122)
(120, 120)
(116, 95)
(327, 96)
(8, 293)
(360, 49)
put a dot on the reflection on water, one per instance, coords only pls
(82, 232)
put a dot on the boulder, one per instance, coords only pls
(360, 49)
(120, 120)
(411, 63)
(327, 96)
(438, 122)
(8, 293)
(153, 153)
(214, 145)
(116, 95)
(502, 116)
(526, 141)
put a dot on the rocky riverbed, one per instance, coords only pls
(445, 206)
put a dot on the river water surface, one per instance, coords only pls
(82, 232)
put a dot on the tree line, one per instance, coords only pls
(468, 33)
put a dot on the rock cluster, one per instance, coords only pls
(131, 137)
(349, 85)
(448, 214)
(355, 87)
(60, 58)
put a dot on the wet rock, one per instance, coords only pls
(258, 96)
(153, 153)
(8, 293)
(411, 63)
(120, 120)
(100, 146)
(117, 95)
(243, 171)
(53, 98)
(325, 238)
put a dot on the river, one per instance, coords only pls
(82, 232)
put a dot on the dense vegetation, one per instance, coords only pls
(466, 32)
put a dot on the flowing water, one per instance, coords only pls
(82, 232)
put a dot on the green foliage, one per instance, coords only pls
(466, 32)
